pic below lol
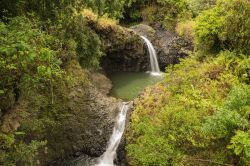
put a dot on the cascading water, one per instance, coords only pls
(155, 70)
(107, 159)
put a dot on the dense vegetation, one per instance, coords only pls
(223, 27)
(41, 44)
(193, 117)
(198, 115)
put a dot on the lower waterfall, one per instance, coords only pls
(107, 159)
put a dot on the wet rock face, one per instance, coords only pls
(169, 47)
(89, 130)
(124, 51)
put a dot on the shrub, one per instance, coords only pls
(240, 144)
(238, 64)
(149, 14)
(88, 43)
(224, 27)
(197, 6)
(231, 123)
(26, 55)
(105, 23)
(163, 12)
(186, 29)
(51, 10)
(15, 152)
(89, 15)
(170, 11)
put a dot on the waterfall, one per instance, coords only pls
(155, 70)
(107, 159)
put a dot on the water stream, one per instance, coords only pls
(107, 159)
(155, 70)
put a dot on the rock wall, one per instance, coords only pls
(124, 49)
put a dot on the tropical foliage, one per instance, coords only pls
(224, 27)
(199, 115)
(27, 56)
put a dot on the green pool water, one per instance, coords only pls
(127, 85)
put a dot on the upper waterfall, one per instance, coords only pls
(155, 70)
